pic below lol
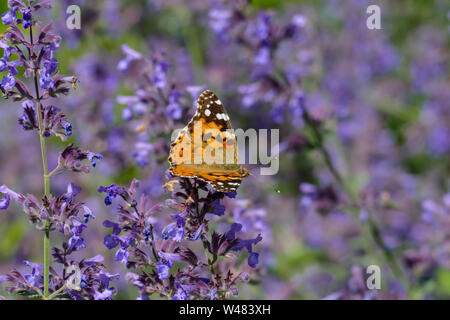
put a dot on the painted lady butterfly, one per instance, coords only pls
(206, 148)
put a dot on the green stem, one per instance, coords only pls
(213, 260)
(47, 194)
(54, 294)
(53, 172)
(45, 168)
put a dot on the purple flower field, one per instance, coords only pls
(358, 206)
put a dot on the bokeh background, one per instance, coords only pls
(379, 98)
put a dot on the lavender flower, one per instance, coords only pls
(4, 202)
(71, 159)
(130, 56)
(140, 246)
(49, 213)
(160, 74)
(26, 18)
(159, 100)
(174, 109)
(112, 192)
(10, 17)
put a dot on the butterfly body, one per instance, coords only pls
(206, 148)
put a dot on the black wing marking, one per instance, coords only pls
(211, 109)
(225, 186)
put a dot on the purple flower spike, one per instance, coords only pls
(105, 295)
(115, 226)
(169, 258)
(92, 158)
(4, 203)
(112, 192)
(174, 109)
(77, 243)
(46, 82)
(160, 75)
(173, 231)
(163, 270)
(219, 208)
(111, 241)
(8, 82)
(26, 18)
(131, 55)
(10, 17)
(253, 259)
(122, 255)
(72, 157)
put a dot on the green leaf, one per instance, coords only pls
(12, 235)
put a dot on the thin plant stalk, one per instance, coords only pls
(45, 169)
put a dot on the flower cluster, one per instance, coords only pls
(364, 126)
(71, 159)
(159, 100)
(274, 78)
(63, 213)
(94, 281)
(97, 120)
(69, 217)
(43, 60)
(53, 119)
(178, 270)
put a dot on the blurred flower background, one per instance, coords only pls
(364, 119)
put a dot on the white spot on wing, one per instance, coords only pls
(207, 112)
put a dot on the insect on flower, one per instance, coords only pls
(206, 148)
(74, 82)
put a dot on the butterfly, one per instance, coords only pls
(206, 149)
